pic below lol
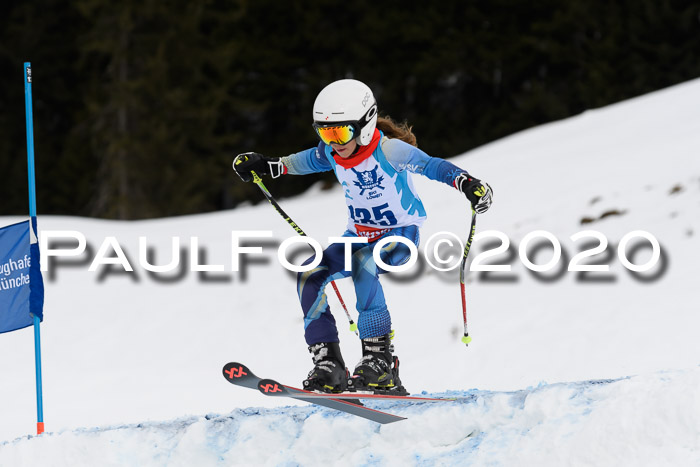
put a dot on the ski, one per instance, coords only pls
(270, 387)
(240, 375)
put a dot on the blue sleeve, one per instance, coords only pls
(402, 156)
(307, 162)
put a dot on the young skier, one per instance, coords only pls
(372, 158)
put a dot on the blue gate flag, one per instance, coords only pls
(21, 284)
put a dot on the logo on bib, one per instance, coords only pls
(368, 180)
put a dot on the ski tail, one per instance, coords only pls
(240, 375)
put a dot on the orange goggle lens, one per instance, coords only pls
(341, 134)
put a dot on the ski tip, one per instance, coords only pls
(270, 387)
(234, 371)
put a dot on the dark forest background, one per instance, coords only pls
(140, 106)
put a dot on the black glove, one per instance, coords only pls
(477, 192)
(248, 162)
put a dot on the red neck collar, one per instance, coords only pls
(361, 154)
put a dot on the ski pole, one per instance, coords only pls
(258, 181)
(466, 339)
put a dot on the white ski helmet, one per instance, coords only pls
(350, 102)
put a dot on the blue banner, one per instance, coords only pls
(21, 284)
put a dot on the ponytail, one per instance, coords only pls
(400, 131)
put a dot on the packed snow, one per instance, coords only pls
(648, 420)
(565, 368)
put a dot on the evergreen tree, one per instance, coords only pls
(150, 117)
(140, 107)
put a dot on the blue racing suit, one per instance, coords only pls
(381, 201)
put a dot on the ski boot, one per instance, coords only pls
(329, 373)
(378, 370)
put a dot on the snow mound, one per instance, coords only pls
(644, 420)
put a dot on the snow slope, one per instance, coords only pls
(603, 423)
(121, 349)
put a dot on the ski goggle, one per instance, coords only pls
(338, 133)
